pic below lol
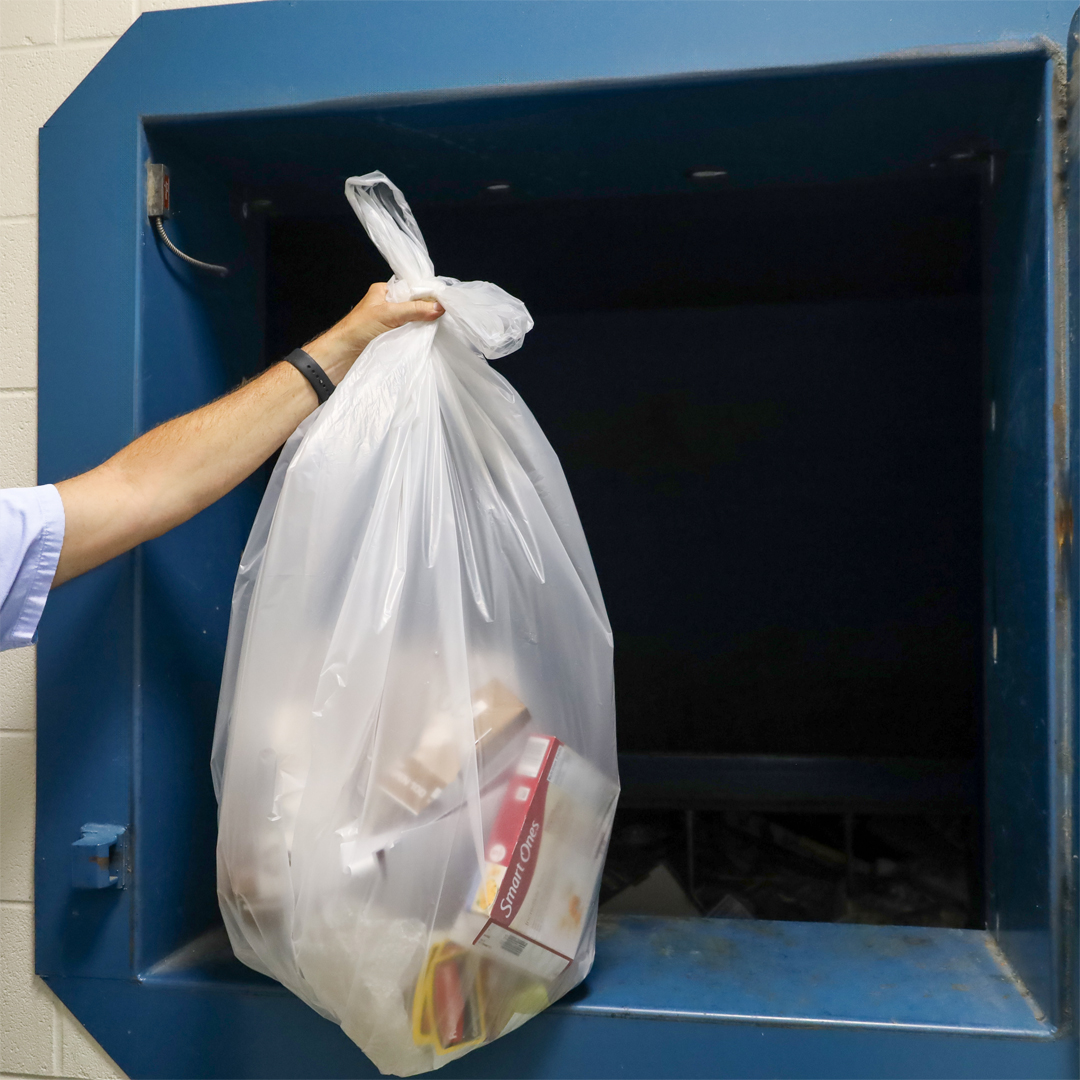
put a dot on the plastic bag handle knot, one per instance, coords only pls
(492, 321)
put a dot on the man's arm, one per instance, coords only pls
(179, 468)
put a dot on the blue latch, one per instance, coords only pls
(99, 858)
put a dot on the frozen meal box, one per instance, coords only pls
(544, 858)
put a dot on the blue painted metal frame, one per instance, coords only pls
(1027, 580)
(1069, 625)
(114, 688)
(798, 1000)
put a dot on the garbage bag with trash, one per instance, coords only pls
(415, 748)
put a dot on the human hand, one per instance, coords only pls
(336, 349)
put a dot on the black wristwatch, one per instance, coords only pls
(320, 381)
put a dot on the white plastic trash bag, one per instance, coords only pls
(415, 746)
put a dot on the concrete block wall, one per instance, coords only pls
(46, 48)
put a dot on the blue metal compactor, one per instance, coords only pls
(805, 284)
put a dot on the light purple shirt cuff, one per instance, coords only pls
(31, 536)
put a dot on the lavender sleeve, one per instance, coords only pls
(31, 536)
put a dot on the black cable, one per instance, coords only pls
(221, 271)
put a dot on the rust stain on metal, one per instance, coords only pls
(999, 958)
(1063, 527)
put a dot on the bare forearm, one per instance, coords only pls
(174, 471)
(171, 473)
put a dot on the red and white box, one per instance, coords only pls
(545, 855)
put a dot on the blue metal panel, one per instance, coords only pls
(1065, 761)
(127, 664)
(204, 337)
(927, 979)
(895, 995)
(86, 672)
(83, 757)
(1027, 577)
(236, 58)
(628, 138)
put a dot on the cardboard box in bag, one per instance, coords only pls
(416, 781)
(544, 858)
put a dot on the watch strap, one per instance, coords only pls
(320, 381)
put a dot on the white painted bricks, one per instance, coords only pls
(17, 814)
(96, 18)
(17, 674)
(46, 48)
(28, 22)
(18, 444)
(28, 1016)
(18, 304)
(35, 80)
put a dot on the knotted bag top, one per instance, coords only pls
(489, 318)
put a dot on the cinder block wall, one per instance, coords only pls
(46, 48)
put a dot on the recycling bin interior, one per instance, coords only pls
(769, 401)
(792, 347)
